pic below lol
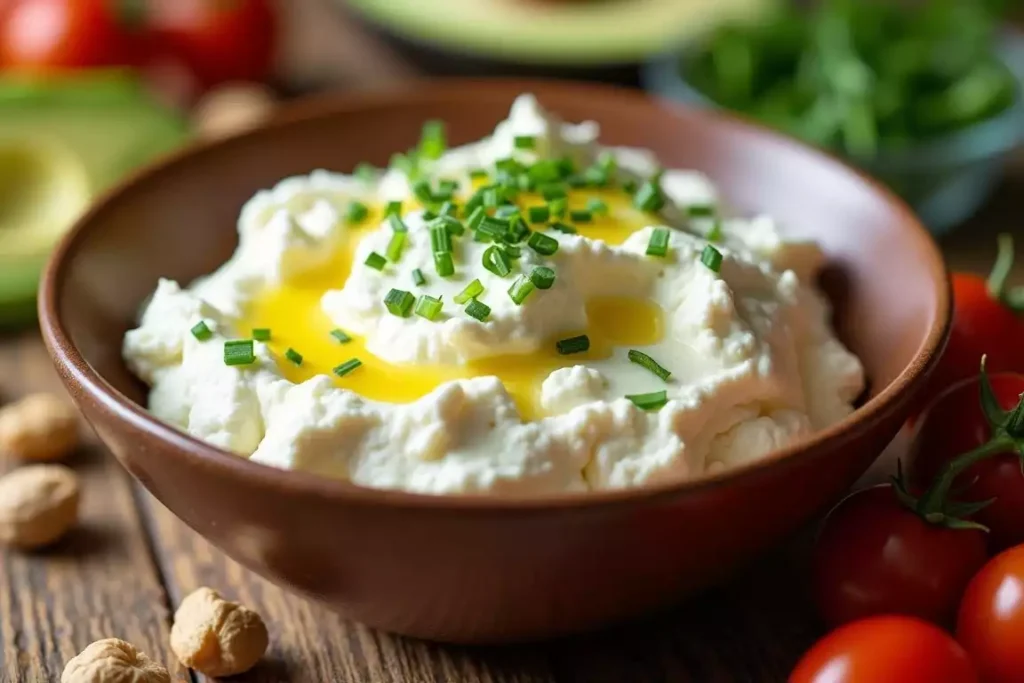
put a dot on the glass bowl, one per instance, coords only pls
(945, 180)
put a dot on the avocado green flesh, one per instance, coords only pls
(577, 32)
(54, 157)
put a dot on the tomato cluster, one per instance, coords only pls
(214, 40)
(903, 570)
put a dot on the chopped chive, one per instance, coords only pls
(544, 171)
(446, 188)
(449, 208)
(573, 345)
(399, 302)
(649, 198)
(525, 141)
(518, 230)
(440, 240)
(715, 233)
(558, 207)
(477, 309)
(514, 251)
(347, 367)
(433, 140)
(444, 264)
(261, 334)
(658, 243)
(563, 228)
(476, 218)
(542, 277)
(490, 197)
(596, 177)
(597, 207)
(421, 189)
(395, 246)
(340, 336)
(239, 352)
(397, 224)
(428, 307)
(393, 209)
(294, 356)
(542, 244)
(651, 401)
(495, 227)
(405, 163)
(645, 361)
(497, 261)
(508, 164)
(365, 172)
(201, 331)
(712, 258)
(417, 277)
(357, 211)
(566, 166)
(700, 210)
(375, 261)
(581, 216)
(553, 191)
(520, 289)
(473, 289)
(538, 214)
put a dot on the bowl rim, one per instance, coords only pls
(78, 374)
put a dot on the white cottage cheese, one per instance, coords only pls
(755, 364)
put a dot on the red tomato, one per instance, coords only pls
(46, 35)
(875, 556)
(218, 40)
(991, 622)
(982, 324)
(886, 649)
(955, 424)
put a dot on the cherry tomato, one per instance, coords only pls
(983, 323)
(885, 649)
(955, 424)
(218, 40)
(991, 621)
(48, 35)
(875, 556)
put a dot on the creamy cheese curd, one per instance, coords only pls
(489, 404)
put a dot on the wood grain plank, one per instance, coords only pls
(310, 644)
(98, 582)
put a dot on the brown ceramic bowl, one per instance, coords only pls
(472, 569)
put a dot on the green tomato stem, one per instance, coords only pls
(934, 499)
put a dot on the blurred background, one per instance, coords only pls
(925, 95)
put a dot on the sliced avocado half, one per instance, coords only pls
(557, 32)
(61, 142)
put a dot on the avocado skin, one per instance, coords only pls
(110, 124)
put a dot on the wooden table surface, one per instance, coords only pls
(129, 563)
